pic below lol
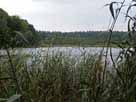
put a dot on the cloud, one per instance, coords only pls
(61, 14)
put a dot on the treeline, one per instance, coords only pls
(88, 38)
(17, 32)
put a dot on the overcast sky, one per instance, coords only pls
(62, 15)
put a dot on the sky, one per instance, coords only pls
(63, 15)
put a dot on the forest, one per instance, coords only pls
(17, 32)
(88, 38)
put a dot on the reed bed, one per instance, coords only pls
(61, 78)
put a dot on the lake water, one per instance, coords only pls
(71, 51)
(74, 52)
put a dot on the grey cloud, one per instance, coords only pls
(70, 14)
(70, 1)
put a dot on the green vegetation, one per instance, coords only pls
(90, 38)
(61, 78)
(16, 32)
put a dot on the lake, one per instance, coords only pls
(74, 52)
(71, 51)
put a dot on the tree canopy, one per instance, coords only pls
(16, 32)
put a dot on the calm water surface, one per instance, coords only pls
(74, 52)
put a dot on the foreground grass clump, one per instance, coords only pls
(61, 78)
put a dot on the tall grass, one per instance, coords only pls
(55, 78)
(61, 78)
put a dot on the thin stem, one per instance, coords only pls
(13, 72)
(109, 39)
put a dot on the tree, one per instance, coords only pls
(16, 32)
